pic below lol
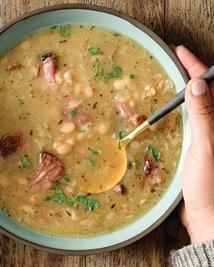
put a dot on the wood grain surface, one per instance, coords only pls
(188, 22)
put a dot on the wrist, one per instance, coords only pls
(201, 230)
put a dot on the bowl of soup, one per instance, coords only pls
(74, 74)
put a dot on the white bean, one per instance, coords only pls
(119, 85)
(58, 77)
(70, 141)
(168, 85)
(63, 149)
(150, 91)
(68, 77)
(122, 96)
(103, 128)
(89, 91)
(132, 103)
(67, 127)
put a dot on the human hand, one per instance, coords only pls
(197, 212)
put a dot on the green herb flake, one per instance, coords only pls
(63, 30)
(60, 197)
(111, 61)
(115, 72)
(66, 178)
(122, 134)
(132, 76)
(94, 151)
(90, 162)
(89, 203)
(94, 51)
(26, 162)
(82, 130)
(73, 112)
(153, 152)
(20, 102)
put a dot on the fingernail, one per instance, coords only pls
(199, 88)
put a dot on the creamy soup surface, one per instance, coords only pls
(66, 85)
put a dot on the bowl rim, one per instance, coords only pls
(183, 74)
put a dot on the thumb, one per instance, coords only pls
(200, 106)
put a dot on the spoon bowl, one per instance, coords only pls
(104, 161)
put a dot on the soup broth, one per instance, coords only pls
(66, 85)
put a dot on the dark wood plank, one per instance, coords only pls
(190, 22)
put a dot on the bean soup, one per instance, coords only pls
(66, 85)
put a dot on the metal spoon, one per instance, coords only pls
(172, 104)
(109, 162)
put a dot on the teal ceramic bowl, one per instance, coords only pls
(103, 17)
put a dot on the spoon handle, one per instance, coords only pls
(178, 99)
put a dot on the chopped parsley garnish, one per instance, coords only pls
(106, 70)
(115, 72)
(60, 197)
(20, 102)
(66, 178)
(63, 30)
(111, 61)
(122, 134)
(98, 69)
(90, 162)
(73, 112)
(89, 203)
(153, 152)
(132, 76)
(94, 151)
(26, 162)
(82, 130)
(94, 50)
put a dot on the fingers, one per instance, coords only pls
(200, 106)
(191, 63)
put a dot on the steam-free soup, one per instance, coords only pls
(66, 85)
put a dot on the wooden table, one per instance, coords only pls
(188, 22)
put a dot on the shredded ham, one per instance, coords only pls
(50, 168)
(9, 144)
(154, 170)
(120, 189)
(81, 118)
(14, 66)
(129, 113)
(49, 62)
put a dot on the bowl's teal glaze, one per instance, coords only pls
(82, 14)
